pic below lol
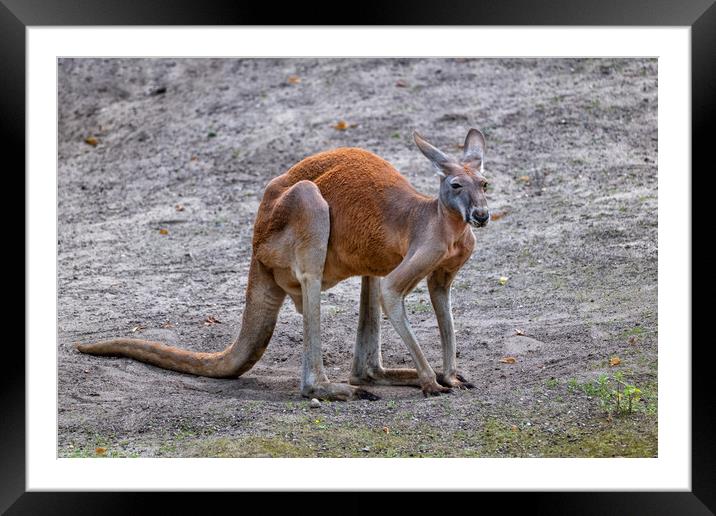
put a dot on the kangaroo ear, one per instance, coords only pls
(437, 157)
(474, 146)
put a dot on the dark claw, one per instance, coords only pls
(365, 395)
(465, 383)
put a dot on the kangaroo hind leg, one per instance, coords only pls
(367, 366)
(310, 225)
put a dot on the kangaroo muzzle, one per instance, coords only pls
(479, 217)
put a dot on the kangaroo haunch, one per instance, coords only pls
(341, 213)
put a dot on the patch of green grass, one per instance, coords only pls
(635, 331)
(249, 447)
(552, 383)
(420, 308)
(505, 433)
(572, 384)
(186, 431)
(628, 437)
(617, 438)
(616, 395)
(167, 449)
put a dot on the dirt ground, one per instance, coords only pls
(154, 237)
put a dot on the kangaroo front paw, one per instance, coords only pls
(456, 381)
(434, 389)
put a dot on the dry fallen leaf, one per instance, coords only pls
(211, 320)
(91, 140)
(342, 125)
(100, 451)
(519, 332)
(615, 361)
(194, 158)
(163, 231)
(167, 325)
(179, 207)
(632, 340)
(294, 79)
(503, 280)
(137, 328)
(497, 215)
(514, 428)
(400, 83)
(386, 430)
(508, 360)
(525, 179)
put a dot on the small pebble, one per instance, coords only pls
(314, 403)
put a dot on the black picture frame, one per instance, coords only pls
(17, 15)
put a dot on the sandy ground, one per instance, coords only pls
(154, 237)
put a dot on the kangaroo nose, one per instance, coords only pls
(480, 215)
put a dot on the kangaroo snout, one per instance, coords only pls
(479, 217)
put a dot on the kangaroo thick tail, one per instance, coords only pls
(216, 365)
(263, 302)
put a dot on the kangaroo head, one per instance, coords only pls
(462, 184)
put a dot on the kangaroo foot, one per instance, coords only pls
(434, 389)
(455, 381)
(385, 376)
(337, 392)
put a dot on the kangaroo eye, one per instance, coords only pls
(485, 185)
(456, 185)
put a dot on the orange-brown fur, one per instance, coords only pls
(341, 213)
(374, 211)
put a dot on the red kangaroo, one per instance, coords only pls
(341, 213)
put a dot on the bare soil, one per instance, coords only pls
(154, 237)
